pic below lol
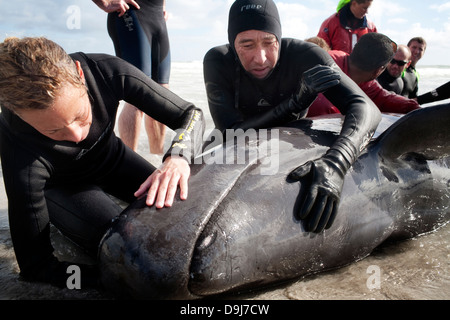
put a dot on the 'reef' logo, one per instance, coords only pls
(251, 7)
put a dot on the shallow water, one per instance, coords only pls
(411, 269)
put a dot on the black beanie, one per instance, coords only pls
(259, 15)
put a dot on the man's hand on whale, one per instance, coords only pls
(161, 186)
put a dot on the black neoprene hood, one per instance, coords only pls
(259, 15)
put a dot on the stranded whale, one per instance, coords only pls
(237, 229)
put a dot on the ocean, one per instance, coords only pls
(412, 269)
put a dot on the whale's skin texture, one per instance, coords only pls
(238, 229)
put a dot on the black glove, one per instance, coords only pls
(323, 180)
(314, 81)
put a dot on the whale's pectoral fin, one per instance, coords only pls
(421, 135)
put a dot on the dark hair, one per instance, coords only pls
(419, 40)
(372, 51)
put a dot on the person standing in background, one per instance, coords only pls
(410, 76)
(139, 34)
(343, 29)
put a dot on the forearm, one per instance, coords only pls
(357, 130)
(188, 139)
(168, 108)
(318, 79)
(440, 93)
(361, 120)
(102, 4)
(120, 6)
(28, 220)
(130, 84)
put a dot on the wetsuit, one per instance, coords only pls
(385, 101)
(140, 37)
(391, 83)
(343, 30)
(410, 79)
(440, 93)
(65, 183)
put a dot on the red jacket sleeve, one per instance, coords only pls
(388, 101)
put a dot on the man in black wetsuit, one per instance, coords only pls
(410, 77)
(60, 157)
(391, 79)
(260, 80)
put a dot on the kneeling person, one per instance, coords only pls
(60, 157)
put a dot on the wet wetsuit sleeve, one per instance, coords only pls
(361, 118)
(132, 85)
(25, 177)
(220, 88)
(441, 93)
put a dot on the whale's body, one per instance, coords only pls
(237, 230)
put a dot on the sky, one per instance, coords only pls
(195, 26)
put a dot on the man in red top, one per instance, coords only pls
(344, 29)
(367, 61)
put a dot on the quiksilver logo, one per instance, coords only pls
(263, 103)
(251, 7)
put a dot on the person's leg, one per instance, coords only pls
(83, 213)
(161, 66)
(129, 124)
(128, 175)
(132, 44)
(156, 132)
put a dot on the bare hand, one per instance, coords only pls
(162, 184)
(121, 6)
